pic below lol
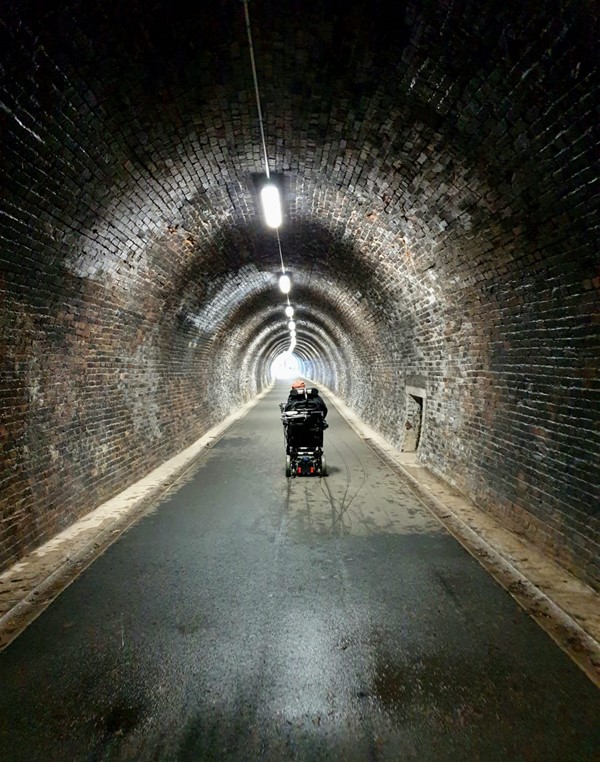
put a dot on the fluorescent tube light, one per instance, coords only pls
(269, 196)
(285, 284)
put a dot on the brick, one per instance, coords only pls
(441, 225)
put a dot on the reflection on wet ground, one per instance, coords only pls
(250, 616)
(360, 497)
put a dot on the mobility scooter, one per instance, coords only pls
(303, 426)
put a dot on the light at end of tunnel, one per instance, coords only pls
(289, 311)
(286, 365)
(285, 283)
(292, 325)
(269, 196)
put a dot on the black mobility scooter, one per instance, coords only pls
(303, 425)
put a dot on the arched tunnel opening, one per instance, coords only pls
(438, 222)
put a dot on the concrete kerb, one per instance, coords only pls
(581, 641)
(28, 587)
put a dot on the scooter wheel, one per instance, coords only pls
(288, 466)
(323, 466)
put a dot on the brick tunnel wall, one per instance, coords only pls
(439, 171)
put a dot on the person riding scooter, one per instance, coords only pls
(306, 398)
(303, 418)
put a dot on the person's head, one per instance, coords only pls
(298, 384)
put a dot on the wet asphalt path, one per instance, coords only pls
(251, 617)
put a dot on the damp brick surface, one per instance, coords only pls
(438, 164)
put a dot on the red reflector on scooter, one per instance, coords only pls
(312, 469)
(299, 470)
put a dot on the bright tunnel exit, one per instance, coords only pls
(286, 365)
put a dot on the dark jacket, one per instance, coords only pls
(306, 399)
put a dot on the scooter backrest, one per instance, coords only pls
(297, 394)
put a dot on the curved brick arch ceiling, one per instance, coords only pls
(440, 194)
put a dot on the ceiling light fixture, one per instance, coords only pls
(285, 283)
(269, 196)
(269, 193)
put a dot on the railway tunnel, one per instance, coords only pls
(437, 167)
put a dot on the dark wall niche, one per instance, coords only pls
(414, 419)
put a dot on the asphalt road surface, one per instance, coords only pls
(253, 617)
